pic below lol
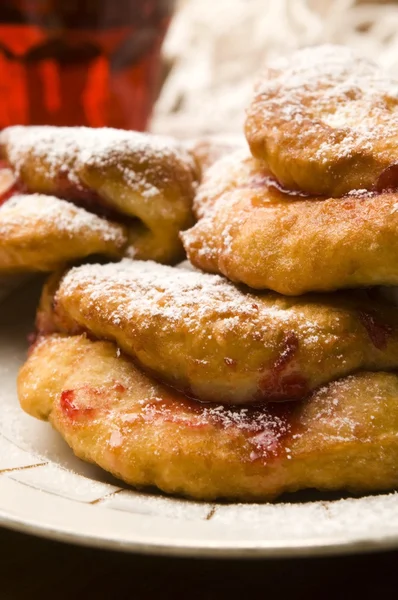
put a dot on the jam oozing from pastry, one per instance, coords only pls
(281, 381)
(119, 387)
(378, 332)
(266, 429)
(84, 402)
(72, 190)
(290, 347)
(71, 408)
(87, 198)
(388, 180)
(292, 386)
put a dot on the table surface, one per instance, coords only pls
(36, 568)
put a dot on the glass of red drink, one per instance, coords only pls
(80, 62)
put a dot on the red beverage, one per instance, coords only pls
(80, 62)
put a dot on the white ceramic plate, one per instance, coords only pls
(45, 490)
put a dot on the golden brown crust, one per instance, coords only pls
(202, 335)
(41, 233)
(252, 232)
(342, 437)
(209, 149)
(325, 121)
(147, 179)
(236, 170)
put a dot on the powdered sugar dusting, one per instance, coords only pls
(335, 87)
(264, 429)
(26, 210)
(283, 526)
(218, 342)
(213, 236)
(229, 172)
(65, 151)
(151, 289)
(209, 149)
(197, 320)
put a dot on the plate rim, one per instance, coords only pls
(308, 548)
(61, 529)
(17, 513)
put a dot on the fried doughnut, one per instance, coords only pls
(41, 233)
(325, 121)
(236, 170)
(344, 436)
(213, 341)
(252, 232)
(147, 180)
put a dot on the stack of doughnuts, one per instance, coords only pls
(248, 372)
(313, 206)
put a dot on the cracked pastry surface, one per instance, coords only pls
(147, 180)
(216, 342)
(252, 232)
(41, 233)
(325, 121)
(343, 436)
